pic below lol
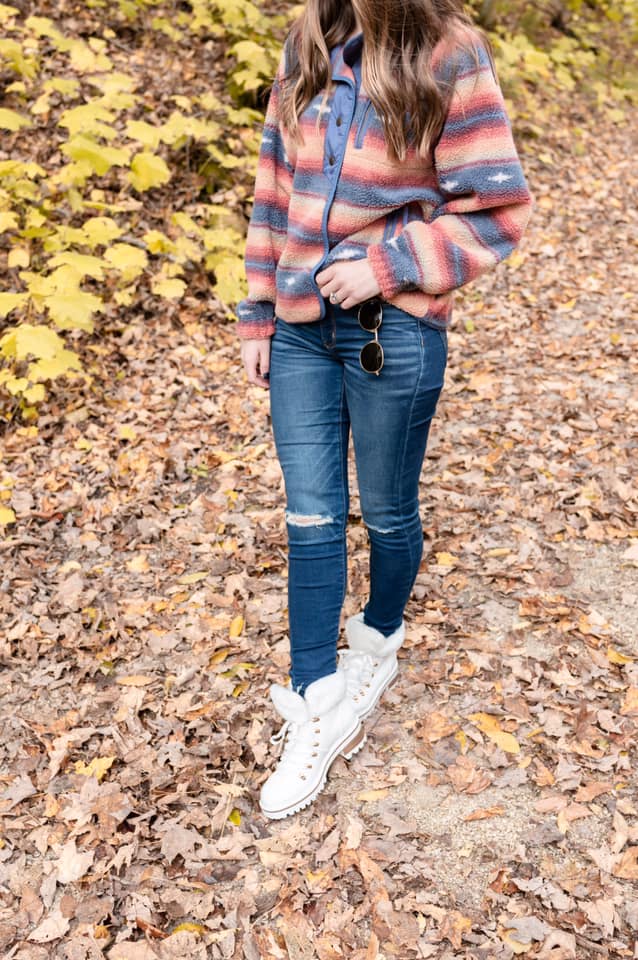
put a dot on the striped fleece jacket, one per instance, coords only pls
(426, 227)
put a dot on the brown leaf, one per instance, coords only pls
(434, 726)
(627, 866)
(484, 813)
(466, 777)
(629, 706)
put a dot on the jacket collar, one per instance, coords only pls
(343, 56)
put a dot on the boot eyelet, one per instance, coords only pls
(315, 754)
(315, 719)
(302, 776)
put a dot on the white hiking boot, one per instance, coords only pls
(318, 727)
(370, 662)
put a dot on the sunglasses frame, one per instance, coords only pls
(375, 331)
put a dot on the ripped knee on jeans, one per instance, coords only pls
(307, 520)
(378, 529)
(371, 526)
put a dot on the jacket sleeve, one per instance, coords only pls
(268, 223)
(485, 203)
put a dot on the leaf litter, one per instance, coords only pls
(493, 811)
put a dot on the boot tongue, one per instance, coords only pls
(289, 704)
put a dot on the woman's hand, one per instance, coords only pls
(351, 281)
(256, 357)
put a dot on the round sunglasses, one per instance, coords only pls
(370, 315)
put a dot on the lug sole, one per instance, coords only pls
(347, 749)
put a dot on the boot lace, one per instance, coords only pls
(301, 745)
(359, 668)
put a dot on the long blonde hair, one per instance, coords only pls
(398, 39)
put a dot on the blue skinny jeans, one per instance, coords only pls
(318, 392)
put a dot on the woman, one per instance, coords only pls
(387, 178)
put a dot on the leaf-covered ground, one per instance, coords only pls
(493, 811)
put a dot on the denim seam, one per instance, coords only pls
(343, 462)
(401, 460)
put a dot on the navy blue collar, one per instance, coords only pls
(352, 49)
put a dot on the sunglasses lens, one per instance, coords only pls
(372, 357)
(370, 314)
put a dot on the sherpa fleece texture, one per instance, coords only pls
(427, 227)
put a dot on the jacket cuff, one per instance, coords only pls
(393, 267)
(255, 329)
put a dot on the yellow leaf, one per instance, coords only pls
(9, 301)
(126, 258)
(139, 564)
(147, 171)
(370, 795)
(617, 115)
(219, 656)
(25, 340)
(490, 726)
(235, 816)
(10, 120)
(172, 289)
(236, 627)
(92, 117)
(101, 230)
(515, 259)
(74, 310)
(193, 577)
(126, 432)
(98, 767)
(158, 242)
(84, 60)
(446, 559)
(34, 394)
(50, 368)
(616, 657)
(8, 220)
(18, 257)
(229, 275)
(515, 945)
(136, 680)
(99, 157)
(83, 263)
(16, 385)
(7, 515)
(189, 927)
(144, 132)
(568, 305)
(234, 670)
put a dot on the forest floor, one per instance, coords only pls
(493, 811)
